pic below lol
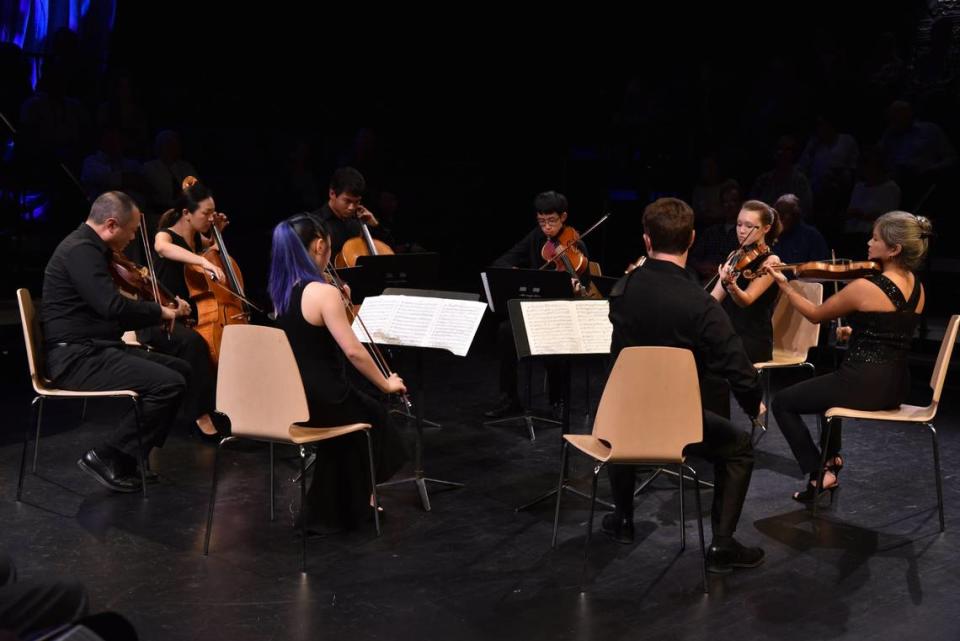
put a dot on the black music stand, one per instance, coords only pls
(418, 478)
(507, 284)
(523, 351)
(421, 271)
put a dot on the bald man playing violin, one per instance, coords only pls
(83, 316)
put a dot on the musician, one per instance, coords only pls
(883, 312)
(312, 314)
(750, 303)
(83, 317)
(183, 236)
(551, 210)
(661, 303)
(343, 213)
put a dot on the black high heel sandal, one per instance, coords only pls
(813, 493)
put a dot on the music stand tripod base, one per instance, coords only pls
(527, 418)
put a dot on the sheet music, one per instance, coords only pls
(567, 327)
(420, 321)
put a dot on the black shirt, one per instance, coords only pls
(170, 272)
(661, 304)
(341, 229)
(526, 253)
(81, 303)
(754, 323)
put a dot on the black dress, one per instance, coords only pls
(184, 342)
(873, 376)
(339, 496)
(754, 323)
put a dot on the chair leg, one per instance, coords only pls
(26, 440)
(36, 439)
(213, 495)
(823, 463)
(683, 523)
(703, 548)
(140, 456)
(373, 483)
(272, 484)
(563, 473)
(303, 509)
(586, 543)
(936, 469)
(765, 390)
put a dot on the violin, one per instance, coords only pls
(739, 259)
(136, 282)
(561, 251)
(363, 245)
(333, 278)
(816, 270)
(218, 304)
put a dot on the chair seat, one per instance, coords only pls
(600, 451)
(782, 358)
(301, 434)
(905, 413)
(63, 393)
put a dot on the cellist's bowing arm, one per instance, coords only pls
(166, 248)
(321, 305)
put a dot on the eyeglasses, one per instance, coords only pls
(548, 220)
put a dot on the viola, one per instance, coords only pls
(561, 251)
(816, 270)
(363, 245)
(135, 281)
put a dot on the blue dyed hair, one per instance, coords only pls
(289, 261)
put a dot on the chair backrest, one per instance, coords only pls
(791, 331)
(258, 383)
(650, 408)
(32, 339)
(943, 358)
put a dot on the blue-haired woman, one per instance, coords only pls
(312, 314)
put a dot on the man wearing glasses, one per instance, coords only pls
(551, 210)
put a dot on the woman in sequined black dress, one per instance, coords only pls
(882, 312)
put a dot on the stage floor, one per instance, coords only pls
(875, 566)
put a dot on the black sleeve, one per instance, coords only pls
(519, 254)
(88, 273)
(726, 357)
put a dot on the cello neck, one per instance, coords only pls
(368, 239)
(232, 279)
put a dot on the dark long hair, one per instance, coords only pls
(189, 199)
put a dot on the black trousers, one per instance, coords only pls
(730, 451)
(160, 380)
(557, 370)
(33, 606)
(859, 386)
(186, 344)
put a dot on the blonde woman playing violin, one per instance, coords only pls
(883, 312)
(749, 303)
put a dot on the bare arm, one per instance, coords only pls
(321, 305)
(845, 302)
(165, 246)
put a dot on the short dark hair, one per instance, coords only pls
(669, 224)
(112, 204)
(349, 180)
(550, 202)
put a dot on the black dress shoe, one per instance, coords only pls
(506, 406)
(723, 558)
(617, 528)
(108, 472)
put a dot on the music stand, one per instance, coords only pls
(524, 351)
(501, 285)
(419, 478)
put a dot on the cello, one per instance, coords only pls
(218, 304)
(363, 245)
